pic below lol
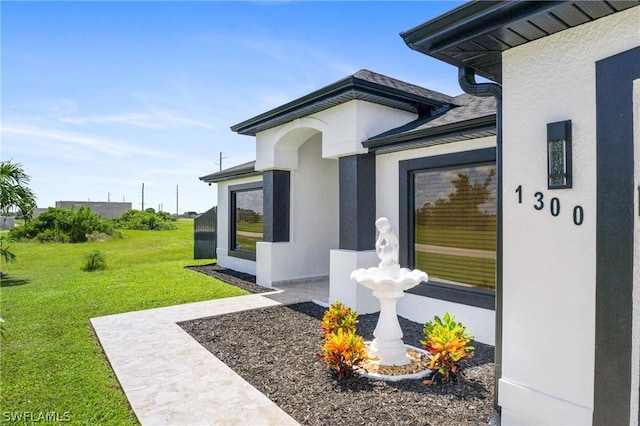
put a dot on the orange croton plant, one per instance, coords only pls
(448, 343)
(343, 350)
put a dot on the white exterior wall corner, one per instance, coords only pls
(549, 262)
(420, 309)
(355, 121)
(223, 226)
(635, 359)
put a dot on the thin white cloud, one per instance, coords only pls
(137, 119)
(158, 119)
(103, 145)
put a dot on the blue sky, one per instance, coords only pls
(98, 98)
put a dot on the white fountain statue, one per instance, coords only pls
(388, 282)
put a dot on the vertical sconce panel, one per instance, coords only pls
(559, 167)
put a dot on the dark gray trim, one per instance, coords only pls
(277, 205)
(614, 237)
(357, 187)
(467, 296)
(236, 172)
(457, 294)
(232, 219)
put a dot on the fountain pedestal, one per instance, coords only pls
(388, 282)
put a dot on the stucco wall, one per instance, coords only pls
(343, 128)
(635, 377)
(313, 220)
(549, 262)
(481, 322)
(222, 251)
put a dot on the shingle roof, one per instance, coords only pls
(241, 170)
(475, 117)
(363, 85)
(391, 82)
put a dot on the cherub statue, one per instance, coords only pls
(386, 244)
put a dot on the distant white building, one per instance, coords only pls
(7, 222)
(106, 209)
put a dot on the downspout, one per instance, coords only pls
(467, 81)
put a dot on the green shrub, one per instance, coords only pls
(95, 260)
(448, 343)
(62, 225)
(148, 220)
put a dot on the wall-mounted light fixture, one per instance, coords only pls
(559, 173)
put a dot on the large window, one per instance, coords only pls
(246, 220)
(450, 224)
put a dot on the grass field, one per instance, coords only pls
(51, 362)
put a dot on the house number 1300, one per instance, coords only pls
(554, 205)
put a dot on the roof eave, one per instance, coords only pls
(222, 176)
(475, 34)
(465, 23)
(350, 84)
(468, 127)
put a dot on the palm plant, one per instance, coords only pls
(14, 194)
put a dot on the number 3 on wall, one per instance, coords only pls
(554, 206)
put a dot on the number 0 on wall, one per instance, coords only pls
(554, 205)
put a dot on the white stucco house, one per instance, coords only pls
(330, 163)
(519, 198)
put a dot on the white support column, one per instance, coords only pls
(343, 288)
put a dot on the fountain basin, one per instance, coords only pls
(418, 370)
(389, 279)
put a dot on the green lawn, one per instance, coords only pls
(50, 359)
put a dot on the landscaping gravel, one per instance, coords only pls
(274, 349)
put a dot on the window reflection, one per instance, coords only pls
(455, 225)
(248, 220)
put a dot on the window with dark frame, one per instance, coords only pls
(245, 219)
(448, 224)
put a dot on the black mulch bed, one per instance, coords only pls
(239, 279)
(274, 350)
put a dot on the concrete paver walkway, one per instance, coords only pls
(170, 379)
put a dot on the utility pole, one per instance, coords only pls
(108, 197)
(220, 162)
(177, 201)
(142, 196)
